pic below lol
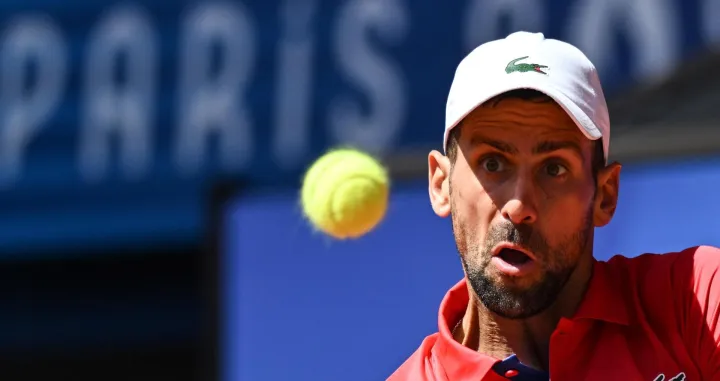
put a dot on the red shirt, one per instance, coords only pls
(641, 318)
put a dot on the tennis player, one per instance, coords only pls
(525, 180)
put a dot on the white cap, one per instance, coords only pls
(525, 60)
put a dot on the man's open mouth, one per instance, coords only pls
(514, 257)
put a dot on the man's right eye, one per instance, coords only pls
(492, 164)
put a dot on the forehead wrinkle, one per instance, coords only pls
(556, 133)
(545, 142)
(544, 123)
(544, 116)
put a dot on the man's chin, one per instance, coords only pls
(516, 298)
(515, 313)
(515, 305)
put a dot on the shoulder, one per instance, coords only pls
(677, 296)
(696, 260)
(704, 258)
(419, 365)
(699, 268)
(671, 280)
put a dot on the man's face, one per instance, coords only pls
(521, 195)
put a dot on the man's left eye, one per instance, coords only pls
(555, 170)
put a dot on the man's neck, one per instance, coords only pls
(528, 339)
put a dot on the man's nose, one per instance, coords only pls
(520, 207)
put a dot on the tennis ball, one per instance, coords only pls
(345, 193)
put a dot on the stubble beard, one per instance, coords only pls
(557, 265)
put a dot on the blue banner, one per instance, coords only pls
(114, 115)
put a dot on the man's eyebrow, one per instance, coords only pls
(551, 146)
(498, 145)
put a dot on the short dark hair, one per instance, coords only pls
(598, 158)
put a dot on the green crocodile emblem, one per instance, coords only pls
(523, 67)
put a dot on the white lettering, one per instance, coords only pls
(293, 93)
(27, 40)
(378, 77)
(649, 25)
(211, 96)
(482, 22)
(124, 109)
(710, 13)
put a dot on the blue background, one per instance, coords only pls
(300, 306)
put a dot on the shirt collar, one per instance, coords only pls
(602, 301)
(458, 361)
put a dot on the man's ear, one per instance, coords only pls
(439, 183)
(606, 196)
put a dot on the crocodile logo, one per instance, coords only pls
(524, 67)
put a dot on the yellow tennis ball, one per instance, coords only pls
(345, 193)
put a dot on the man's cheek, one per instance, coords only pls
(559, 223)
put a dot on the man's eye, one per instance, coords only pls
(492, 164)
(555, 170)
